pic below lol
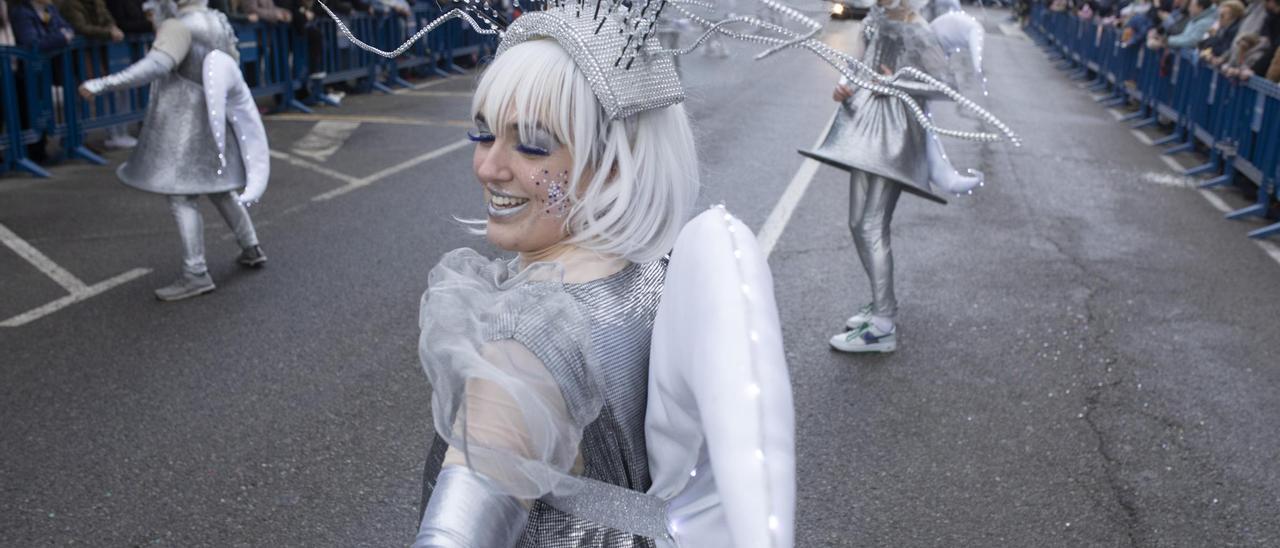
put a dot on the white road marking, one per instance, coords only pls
(90, 291)
(1173, 164)
(324, 139)
(366, 181)
(1270, 248)
(299, 162)
(44, 264)
(1168, 179)
(1216, 201)
(1141, 137)
(1115, 113)
(776, 223)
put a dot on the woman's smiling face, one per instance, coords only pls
(526, 184)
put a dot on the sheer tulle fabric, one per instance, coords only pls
(508, 357)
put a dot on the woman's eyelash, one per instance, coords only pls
(480, 137)
(532, 150)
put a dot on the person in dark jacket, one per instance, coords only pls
(91, 19)
(1217, 47)
(37, 25)
(129, 16)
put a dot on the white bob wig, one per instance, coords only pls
(634, 180)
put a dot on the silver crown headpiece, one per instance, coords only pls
(614, 43)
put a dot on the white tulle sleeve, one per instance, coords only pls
(508, 358)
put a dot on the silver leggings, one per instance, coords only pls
(191, 226)
(872, 199)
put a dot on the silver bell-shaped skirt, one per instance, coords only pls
(176, 152)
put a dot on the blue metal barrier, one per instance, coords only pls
(1237, 123)
(26, 94)
(273, 58)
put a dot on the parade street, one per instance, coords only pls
(1086, 353)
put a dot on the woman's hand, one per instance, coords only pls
(842, 93)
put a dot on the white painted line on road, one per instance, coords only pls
(1115, 114)
(1173, 164)
(75, 297)
(1271, 249)
(777, 221)
(1216, 201)
(67, 280)
(324, 139)
(1167, 179)
(366, 181)
(299, 162)
(1141, 137)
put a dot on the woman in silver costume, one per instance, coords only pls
(886, 150)
(590, 206)
(179, 153)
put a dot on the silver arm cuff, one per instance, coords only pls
(466, 511)
(147, 69)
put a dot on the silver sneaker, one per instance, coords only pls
(185, 287)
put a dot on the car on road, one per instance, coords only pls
(850, 9)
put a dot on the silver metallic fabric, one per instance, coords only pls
(615, 507)
(176, 152)
(877, 133)
(467, 513)
(621, 309)
(150, 68)
(624, 84)
(872, 200)
(191, 226)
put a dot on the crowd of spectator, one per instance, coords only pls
(1238, 37)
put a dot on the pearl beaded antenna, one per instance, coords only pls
(614, 43)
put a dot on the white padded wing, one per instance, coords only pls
(228, 98)
(720, 426)
(957, 30)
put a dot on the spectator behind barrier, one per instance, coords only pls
(1201, 14)
(1261, 59)
(6, 31)
(129, 16)
(37, 25)
(91, 19)
(1217, 46)
(263, 10)
(1255, 16)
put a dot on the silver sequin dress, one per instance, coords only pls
(877, 133)
(620, 309)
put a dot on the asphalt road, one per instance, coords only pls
(1086, 353)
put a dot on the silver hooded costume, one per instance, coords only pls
(177, 124)
(202, 133)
